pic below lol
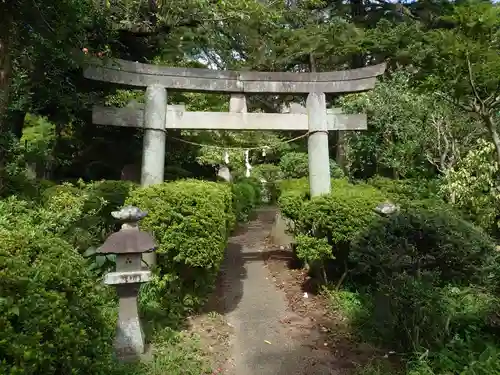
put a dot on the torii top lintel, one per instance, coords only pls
(195, 79)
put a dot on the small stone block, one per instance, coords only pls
(131, 277)
(386, 208)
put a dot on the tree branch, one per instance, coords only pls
(471, 81)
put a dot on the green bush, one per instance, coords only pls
(285, 186)
(337, 217)
(54, 317)
(412, 314)
(431, 274)
(82, 211)
(340, 217)
(191, 220)
(247, 195)
(244, 200)
(271, 174)
(293, 194)
(62, 215)
(110, 196)
(255, 183)
(342, 214)
(314, 252)
(296, 165)
(422, 241)
(459, 356)
(404, 192)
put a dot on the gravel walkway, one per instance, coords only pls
(262, 344)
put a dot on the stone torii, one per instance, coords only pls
(156, 116)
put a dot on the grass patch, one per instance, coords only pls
(349, 304)
(175, 353)
(377, 367)
(354, 308)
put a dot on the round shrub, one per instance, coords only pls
(75, 215)
(337, 217)
(190, 220)
(56, 190)
(425, 267)
(423, 241)
(291, 204)
(343, 213)
(255, 183)
(108, 196)
(53, 315)
(83, 211)
(296, 165)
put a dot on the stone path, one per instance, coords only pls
(256, 309)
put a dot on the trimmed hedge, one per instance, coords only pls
(336, 218)
(342, 214)
(293, 194)
(55, 316)
(191, 220)
(52, 311)
(427, 279)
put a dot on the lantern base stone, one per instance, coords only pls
(129, 341)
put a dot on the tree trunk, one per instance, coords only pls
(340, 157)
(312, 63)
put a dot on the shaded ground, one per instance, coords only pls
(335, 335)
(260, 320)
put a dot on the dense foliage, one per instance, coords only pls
(296, 165)
(52, 301)
(416, 258)
(422, 279)
(191, 220)
(432, 147)
(51, 305)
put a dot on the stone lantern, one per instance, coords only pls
(128, 244)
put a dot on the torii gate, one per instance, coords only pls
(157, 117)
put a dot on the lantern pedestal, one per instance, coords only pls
(129, 244)
(129, 340)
